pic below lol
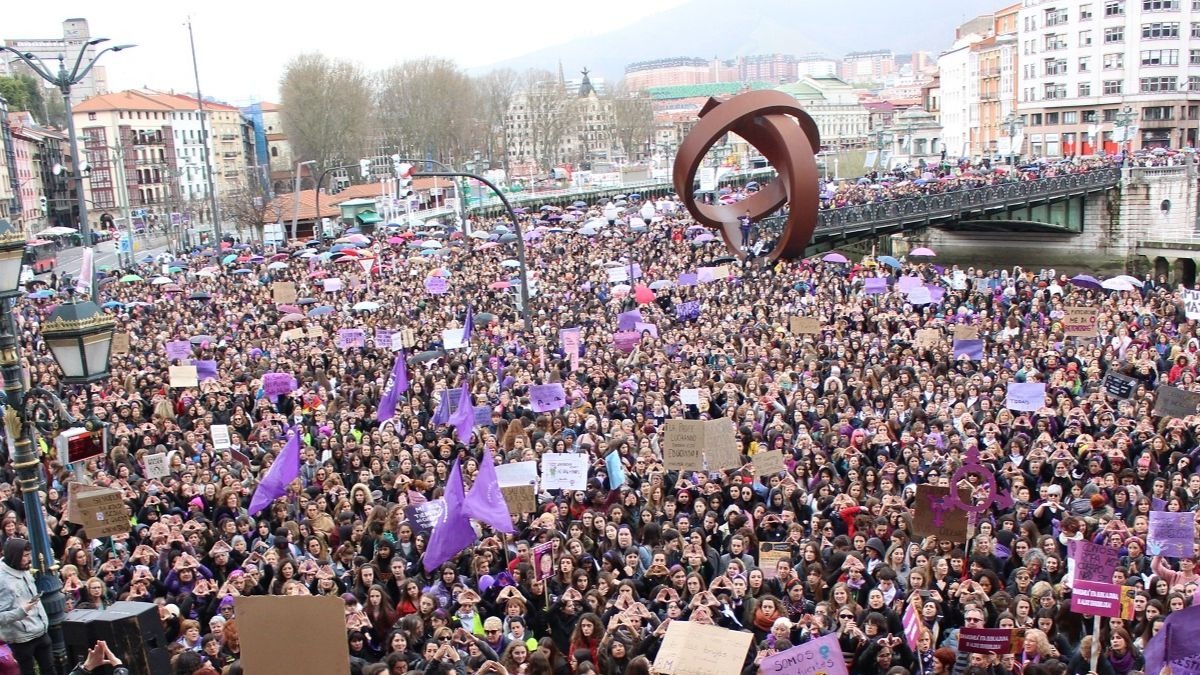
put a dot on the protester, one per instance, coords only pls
(332, 443)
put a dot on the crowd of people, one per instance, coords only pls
(862, 413)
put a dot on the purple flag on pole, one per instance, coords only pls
(397, 384)
(1177, 644)
(463, 418)
(468, 324)
(452, 532)
(443, 412)
(485, 502)
(285, 470)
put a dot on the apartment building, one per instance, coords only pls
(76, 35)
(1083, 63)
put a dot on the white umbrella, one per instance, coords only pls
(277, 265)
(510, 263)
(478, 234)
(366, 307)
(1134, 281)
(159, 281)
(206, 273)
(1116, 284)
(431, 244)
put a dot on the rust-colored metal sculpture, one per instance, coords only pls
(775, 124)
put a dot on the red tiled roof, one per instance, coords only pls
(283, 207)
(122, 100)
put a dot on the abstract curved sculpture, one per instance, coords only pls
(774, 123)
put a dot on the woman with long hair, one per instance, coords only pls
(588, 633)
(381, 612)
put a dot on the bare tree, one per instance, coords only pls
(247, 207)
(633, 120)
(495, 96)
(426, 107)
(326, 110)
(549, 114)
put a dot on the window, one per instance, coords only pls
(1056, 67)
(1196, 29)
(1194, 57)
(91, 116)
(1114, 61)
(1055, 42)
(1163, 113)
(1160, 29)
(1156, 84)
(1053, 91)
(1114, 35)
(1085, 38)
(1112, 87)
(1160, 57)
(1114, 7)
(1085, 64)
(1055, 17)
(1160, 5)
(1070, 117)
(1193, 82)
(1051, 119)
(1089, 117)
(1035, 120)
(1085, 12)
(1085, 88)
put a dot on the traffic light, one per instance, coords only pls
(364, 165)
(45, 203)
(404, 172)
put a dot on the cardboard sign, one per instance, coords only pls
(102, 513)
(768, 463)
(74, 492)
(804, 325)
(1172, 535)
(965, 332)
(1191, 303)
(543, 560)
(220, 436)
(1096, 599)
(292, 334)
(350, 338)
(547, 397)
(181, 377)
(769, 555)
(935, 517)
(156, 466)
(721, 450)
(683, 445)
(1080, 322)
(564, 471)
(284, 634)
(1025, 396)
(120, 344)
(179, 350)
(521, 499)
(1175, 402)
(1119, 386)
(283, 292)
(691, 648)
(929, 337)
(989, 640)
(1093, 562)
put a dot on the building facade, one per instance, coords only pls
(1084, 62)
(551, 124)
(76, 34)
(872, 66)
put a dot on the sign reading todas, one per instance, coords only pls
(1025, 396)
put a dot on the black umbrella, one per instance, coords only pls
(723, 260)
(423, 357)
(303, 302)
(508, 238)
(484, 318)
(200, 296)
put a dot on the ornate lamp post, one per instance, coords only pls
(80, 337)
(1013, 124)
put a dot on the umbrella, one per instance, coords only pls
(112, 304)
(288, 309)
(1133, 281)
(129, 278)
(510, 263)
(484, 318)
(1086, 281)
(318, 274)
(200, 296)
(579, 204)
(201, 339)
(43, 294)
(704, 238)
(500, 285)
(431, 243)
(229, 259)
(206, 273)
(277, 266)
(889, 261)
(478, 234)
(366, 306)
(1116, 284)
(722, 260)
(835, 258)
(643, 295)
(279, 256)
(922, 251)
(159, 281)
(320, 311)
(621, 289)
(174, 270)
(242, 270)
(354, 239)
(487, 244)
(424, 357)
(290, 317)
(661, 284)
(304, 302)
(172, 288)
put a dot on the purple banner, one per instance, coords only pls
(687, 279)
(276, 384)
(348, 338)
(205, 370)
(875, 286)
(1096, 599)
(972, 349)
(627, 320)
(907, 284)
(626, 340)
(179, 350)
(1171, 535)
(437, 285)
(688, 311)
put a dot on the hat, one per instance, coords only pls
(226, 601)
(876, 544)
(493, 623)
(349, 598)
(173, 610)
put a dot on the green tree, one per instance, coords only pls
(24, 92)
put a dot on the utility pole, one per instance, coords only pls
(204, 135)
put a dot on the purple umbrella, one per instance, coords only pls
(923, 252)
(704, 238)
(1086, 281)
(835, 258)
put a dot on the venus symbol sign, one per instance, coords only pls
(777, 127)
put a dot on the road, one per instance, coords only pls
(70, 260)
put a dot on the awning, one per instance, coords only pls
(368, 217)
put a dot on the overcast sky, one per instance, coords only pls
(242, 46)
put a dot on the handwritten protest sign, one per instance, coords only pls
(804, 325)
(626, 340)
(688, 310)
(689, 396)
(936, 517)
(220, 436)
(822, 656)
(103, 513)
(156, 466)
(691, 648)
(617, 275)
(929, 337)
(769, 555)
(683, 445)
(277, 384)
(1191, 303)
(332, 285)
(547, 397)
(564, 471)
(1096, 599)
(120, 344)
(874, 286)
(721, 450)
(919, 295)
(437, 285)
(181, 377)
(1172, 535)
(1025, 396)
(423, 517)
(966, 332)
(768, 463)
(350, 338)
(179, 350)
(1080, 322)
(517, 473)
(1093, 562)
(292, 334)
(283, 292)
(1175, 402)
(1119, 386)
(570, 338)
(989, 640)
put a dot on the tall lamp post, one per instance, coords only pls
(883, 140)
(80, 338)
(1124, 121)
(524, 286)
(64, 80)
(1013, 125)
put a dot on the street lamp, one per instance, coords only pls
(80, 338)
(64, 80)
(1124, 122)
(1013, 125)
(883, 140)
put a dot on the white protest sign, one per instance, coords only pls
(156, 466)
(689, 396)
(1191, 303)
(452, 338)
(517, 473)
(220, 436)
(564, 471)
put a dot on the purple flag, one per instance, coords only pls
(205, 370)
(468, 324)
(463, 418)
(453, 532)
(875, 285)
(1177, 644)
(485, 502)
(285, 470)
(972, 349)
(443, 412)
(397, 384)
